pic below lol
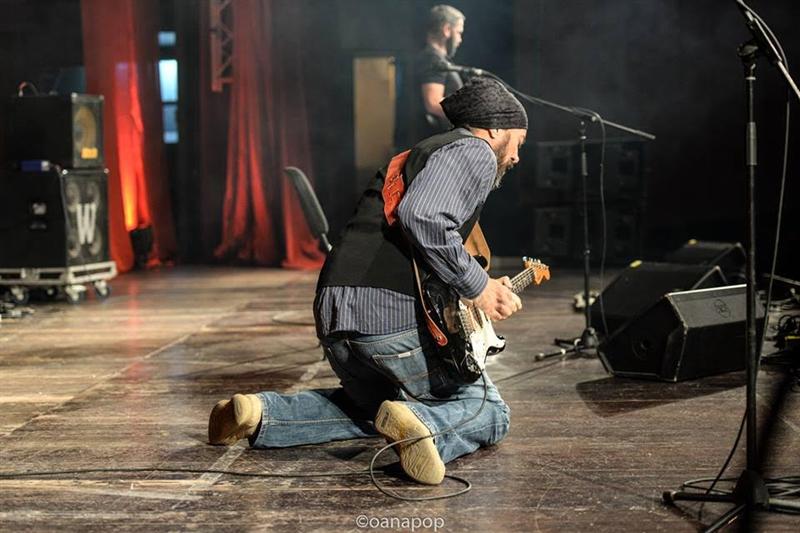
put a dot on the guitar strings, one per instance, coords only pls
(521, 280)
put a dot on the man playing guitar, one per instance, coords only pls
(415, 215)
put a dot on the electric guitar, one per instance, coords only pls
(469, 336)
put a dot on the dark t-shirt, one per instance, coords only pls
(426, 72)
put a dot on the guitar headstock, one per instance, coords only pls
(541, 272)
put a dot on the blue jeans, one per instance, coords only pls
(402, 367)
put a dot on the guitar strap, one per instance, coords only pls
(433, 329)
(393, 191)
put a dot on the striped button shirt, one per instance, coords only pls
(441, 198)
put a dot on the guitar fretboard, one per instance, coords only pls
(521, 280)
(524, 278)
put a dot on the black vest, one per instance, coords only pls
(370, 253)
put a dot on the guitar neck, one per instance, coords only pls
(522, 280)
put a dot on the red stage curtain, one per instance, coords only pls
(120, 48)
(268, 130)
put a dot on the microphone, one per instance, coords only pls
(759, 34)
(444, 65)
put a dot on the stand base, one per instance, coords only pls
(587, 341)
(589, 338)
(750, 494)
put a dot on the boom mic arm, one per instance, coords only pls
(446, 66)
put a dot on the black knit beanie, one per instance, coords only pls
(485, 103)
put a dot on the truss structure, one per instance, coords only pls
(221, 36)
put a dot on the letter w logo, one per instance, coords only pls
(87, 215)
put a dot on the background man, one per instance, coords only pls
(444, 36)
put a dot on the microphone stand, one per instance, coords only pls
(588, 338)
(751, 492)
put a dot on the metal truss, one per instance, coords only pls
(221, 36)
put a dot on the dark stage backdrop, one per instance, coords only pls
(25, 54)
(665, 66)
(670, 67)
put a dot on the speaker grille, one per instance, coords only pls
(685, 335)
(63, 129)
(84, 203)
(52, 220)
(86, 139)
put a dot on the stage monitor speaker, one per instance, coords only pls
(52, 219)
(642, 284)
(728, 256)
(685, 335)
(64, 129)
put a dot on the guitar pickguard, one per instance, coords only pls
(470, 334)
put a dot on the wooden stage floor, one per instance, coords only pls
(128, 384)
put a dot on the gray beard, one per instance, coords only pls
(498, 178)
(501, 171)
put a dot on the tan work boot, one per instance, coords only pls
(420, 459)
(234, 419)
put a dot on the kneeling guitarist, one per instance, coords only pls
(377, 337)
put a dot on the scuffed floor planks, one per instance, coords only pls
(129, 382)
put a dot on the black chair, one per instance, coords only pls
(315, 216)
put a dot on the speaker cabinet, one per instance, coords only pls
(728, 256)
(52, 219)
(642, 284)
(556, 165)
(64, 129)
(685, 335)
(552, 228)
(546, 190)
(623, 233)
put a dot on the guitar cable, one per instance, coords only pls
(467, 484)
